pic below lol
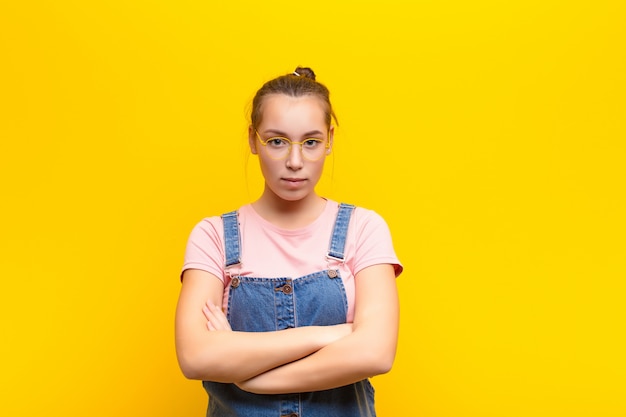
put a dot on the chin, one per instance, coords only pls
(292, 195)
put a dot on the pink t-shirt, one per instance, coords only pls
(268, 251)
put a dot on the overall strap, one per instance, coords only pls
(340, 230)
(232, 239)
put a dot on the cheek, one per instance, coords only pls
(318, 167)
(268, 166)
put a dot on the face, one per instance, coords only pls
(296, 118)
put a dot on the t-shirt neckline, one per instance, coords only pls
(328, 208)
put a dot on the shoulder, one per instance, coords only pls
(369, 228)
(368, 214)
(207, 231)
(373, 241)
(366, 218)
(212, 227)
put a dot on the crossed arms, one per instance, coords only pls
(293, 360)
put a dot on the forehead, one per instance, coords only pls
(306, 112)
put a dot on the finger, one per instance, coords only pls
(218, 318)
(212, 318)
(219, 315)
(206, 312)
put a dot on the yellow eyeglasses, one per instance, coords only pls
(278, 147)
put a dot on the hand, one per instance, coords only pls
(216, 319)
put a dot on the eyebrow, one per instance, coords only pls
(280, 133)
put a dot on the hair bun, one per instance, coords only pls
(305, 72)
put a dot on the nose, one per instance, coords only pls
(295, 160)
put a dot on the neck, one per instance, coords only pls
(289, 214)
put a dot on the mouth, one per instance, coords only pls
(294, 183)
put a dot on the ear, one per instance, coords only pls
(331, 138)
(252, 139)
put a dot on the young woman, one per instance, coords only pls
(289, 304)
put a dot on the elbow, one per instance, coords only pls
(191, 373)
(192, 363)
(196, 366)
(379, 363)
(383, 366)
(188, 368)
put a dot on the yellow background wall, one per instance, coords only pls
(489, 134)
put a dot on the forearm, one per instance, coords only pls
(343, 362)
(208, 350)
(227, 356)
(369, 350)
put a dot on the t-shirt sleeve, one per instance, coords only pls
(374, 244)
(205, 248)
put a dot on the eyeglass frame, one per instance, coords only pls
(291, 143)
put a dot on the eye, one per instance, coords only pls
(312, 143)
(278, 142)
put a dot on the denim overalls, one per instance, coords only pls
(258, 304)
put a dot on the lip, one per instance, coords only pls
(293, 183)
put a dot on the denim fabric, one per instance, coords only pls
(259, 304)
(233, 242)
(338, 241)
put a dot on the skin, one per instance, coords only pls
(289, 199)
(300, 359)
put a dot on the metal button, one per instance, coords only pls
(287, 289)
(235, 282)
(332, 273)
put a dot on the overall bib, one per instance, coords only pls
(257, 304)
